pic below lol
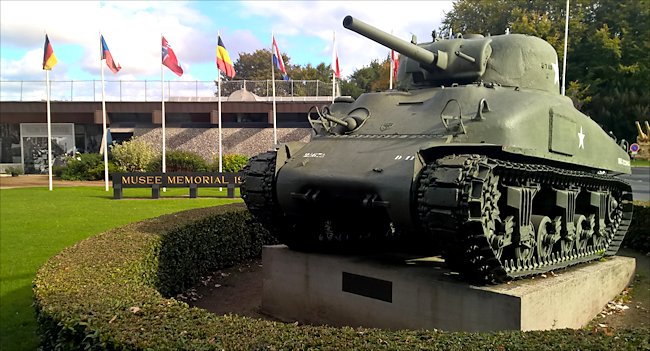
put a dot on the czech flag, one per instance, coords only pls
(106, 55)
(169, 58)
(277, 60)
(223, 60)
(49, 59)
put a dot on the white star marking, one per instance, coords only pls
(581, 136)
(556, 70)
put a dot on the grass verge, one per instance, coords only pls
(35, 224)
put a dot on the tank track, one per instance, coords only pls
(470, 223)
(258, 193)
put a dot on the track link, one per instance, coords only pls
(257, 190)
(469, 223)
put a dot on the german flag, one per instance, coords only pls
(49, 59)
(223, 60)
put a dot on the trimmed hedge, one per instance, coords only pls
(104, 293)
(638, 235)
(223, 241)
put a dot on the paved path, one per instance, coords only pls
(35, 180)
(640, 181)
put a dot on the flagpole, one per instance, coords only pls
(219, 106)
(566, 37)
(275, 133)
(390, 73)
(162, 90)
(105, 136)
(333, 65)
(49, 129)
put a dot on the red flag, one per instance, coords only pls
(335, 61)
(106, 55)
(395, 58)
(169, 58)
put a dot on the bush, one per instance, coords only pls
(231, 163)
(638, 235)
(179, 161)
(57, 171)
(133, 155)
(101, 294)
(224, 241)
(14, 171)
(80, 167)
(97, 172)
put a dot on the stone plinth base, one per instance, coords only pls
(385, 292)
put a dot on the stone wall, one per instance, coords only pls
(205, 141)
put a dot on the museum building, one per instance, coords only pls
(191, 121)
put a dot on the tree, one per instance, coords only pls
(373, 77)
(256, 65)
(607, 67)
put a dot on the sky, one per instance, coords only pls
(132, 29)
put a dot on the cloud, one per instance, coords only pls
(320, 18)
(132, 31)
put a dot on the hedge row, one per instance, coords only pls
(189, 252)
(104, 293)
(638, 235)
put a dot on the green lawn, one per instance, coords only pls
(35, 224)
(640, 163)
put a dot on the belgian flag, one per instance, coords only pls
(223, 60)
(49, 59)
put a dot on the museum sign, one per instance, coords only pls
(191, 180)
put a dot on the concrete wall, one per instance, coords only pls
(205, 141)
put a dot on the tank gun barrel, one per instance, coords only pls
(642, 135)
(425, 57)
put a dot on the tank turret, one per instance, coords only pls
(514, 60)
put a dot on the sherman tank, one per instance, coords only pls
(475, 149)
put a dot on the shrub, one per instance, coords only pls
(78, 167)
(638, 235)
(14, 171)
(224, 240)
(231, 163)
(133, 155)
(179, 161)
(57, 170)
(97, 172)
(101, 294)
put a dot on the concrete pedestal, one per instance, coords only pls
(376, 291)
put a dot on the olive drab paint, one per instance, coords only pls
(471, 102)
